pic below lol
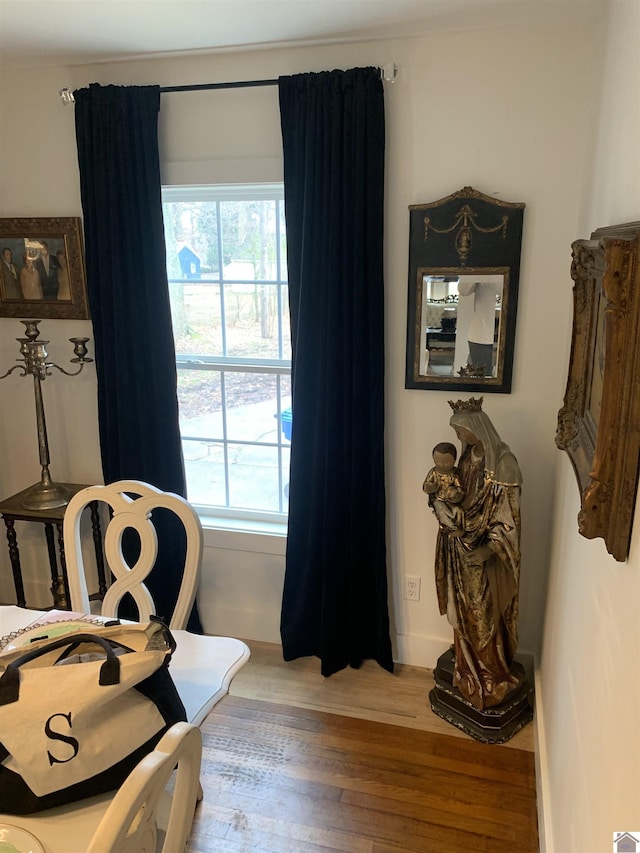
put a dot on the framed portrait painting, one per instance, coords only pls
(599, 423)
(42, 272)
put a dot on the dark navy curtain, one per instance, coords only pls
(335, 591)
(117, 140)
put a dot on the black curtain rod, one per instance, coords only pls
(388, 74)
(199, 87)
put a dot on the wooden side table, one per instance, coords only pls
(12, 510)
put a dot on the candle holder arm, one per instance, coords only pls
(15, 367)
(70, 372)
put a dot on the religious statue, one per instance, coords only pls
(477, 567)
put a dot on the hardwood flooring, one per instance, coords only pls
(294, 763)
(370, 692)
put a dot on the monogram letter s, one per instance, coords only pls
(50, 733)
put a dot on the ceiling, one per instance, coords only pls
(84, 31)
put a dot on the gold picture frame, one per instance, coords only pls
(599, 423)
(42, 272)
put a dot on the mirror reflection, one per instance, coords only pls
(461, 324)
(464, 268)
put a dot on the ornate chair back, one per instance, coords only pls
(132, 503)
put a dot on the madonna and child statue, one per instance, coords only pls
(479, 686)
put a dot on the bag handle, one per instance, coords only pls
(10, 679)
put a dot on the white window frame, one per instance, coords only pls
(228, 518)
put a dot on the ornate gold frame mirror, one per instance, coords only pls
(464, 267)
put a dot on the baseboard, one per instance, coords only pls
(545, 834)
(419, 650)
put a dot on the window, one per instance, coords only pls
(226, 263)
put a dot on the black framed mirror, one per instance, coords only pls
(464, 267)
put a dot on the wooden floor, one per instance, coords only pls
(295, 763)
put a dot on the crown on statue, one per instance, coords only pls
(473, 404)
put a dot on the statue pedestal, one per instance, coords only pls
(491, 725)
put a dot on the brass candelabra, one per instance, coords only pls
(46, 494)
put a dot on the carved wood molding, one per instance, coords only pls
(599, 423)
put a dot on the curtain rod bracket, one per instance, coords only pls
(66, 96)
(388, 73)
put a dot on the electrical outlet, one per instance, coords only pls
(412, 588)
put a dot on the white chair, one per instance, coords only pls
(142, 817)
(133, 815)
(132, 503)
(202, 667)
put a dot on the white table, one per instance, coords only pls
(198, 688)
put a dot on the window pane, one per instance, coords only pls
(196, 315)
(200, 404)
(252, 406)
(204, 467)
(286, 326)
(250, 237)
(253, 477)
(254, 320)
(286, 459)
(191, 237)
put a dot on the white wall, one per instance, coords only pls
(505, 111)
(39, 177)
(588, 686)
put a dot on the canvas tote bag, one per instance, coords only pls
(80, 708)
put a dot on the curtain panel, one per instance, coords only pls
(117, 141)
(335, 592)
